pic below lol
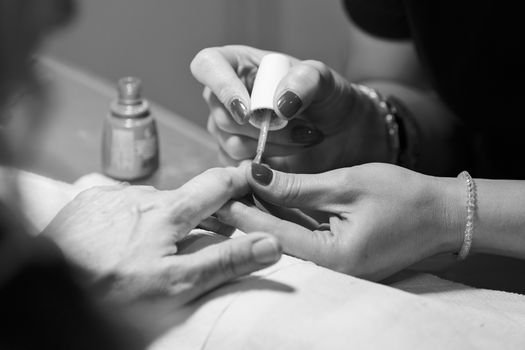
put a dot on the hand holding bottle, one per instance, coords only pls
(331, 124)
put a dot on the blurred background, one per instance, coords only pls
(156, 40)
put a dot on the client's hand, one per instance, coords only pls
(126, 237)
(380, 218)
(331, 122)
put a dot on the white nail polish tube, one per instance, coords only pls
(272, 69)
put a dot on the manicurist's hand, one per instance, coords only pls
(331, 124)
(126, 237)
(380, 218)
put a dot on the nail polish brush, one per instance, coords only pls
(272, 69)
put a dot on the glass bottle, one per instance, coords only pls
(130, 147)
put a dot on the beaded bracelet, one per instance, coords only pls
(471, 210)
(389, 115)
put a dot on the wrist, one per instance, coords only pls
(398, 128)
(450, 213)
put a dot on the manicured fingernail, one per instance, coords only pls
(239, 111)
(306, 136)
(262, 174)
(289, 104)
(266, 251)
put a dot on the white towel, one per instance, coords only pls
(298, 305)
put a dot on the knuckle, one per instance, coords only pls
(183, 209)
(306, 74)
(213, 172)
(202, 58)
(225, 93)
(225, 121)
(236, 148)
(291, 187)
(211, 126)
(224, 216)
(206, 94)
(222, 177)
(323, 73)
(226, 262)
(229, 212)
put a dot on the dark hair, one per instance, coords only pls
(23, 26)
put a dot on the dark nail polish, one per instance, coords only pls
(306, 136)
(262, 174)
(239, 111)
(289, 104)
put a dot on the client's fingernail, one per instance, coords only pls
(266, 251)
(262, 174)
(239, 111)
(306, 135)
(289, 104)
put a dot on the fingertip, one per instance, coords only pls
(288, 104)
(215, 68)
(261, 174)
(266, 250)
(300, 87)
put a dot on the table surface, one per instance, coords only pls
(71, 143)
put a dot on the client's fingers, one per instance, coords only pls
(204, 195)
(214, 225)
(220, 263)
(295, 239)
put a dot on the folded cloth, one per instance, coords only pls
(42, 197)
(296, 304)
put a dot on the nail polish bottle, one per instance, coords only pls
(272, 69)
(130, 148)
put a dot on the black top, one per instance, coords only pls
(473, 54)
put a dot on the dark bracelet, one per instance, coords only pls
(408, 133)
(401, 131)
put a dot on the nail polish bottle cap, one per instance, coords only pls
(130, 103)
(272, 69)
(129, 91)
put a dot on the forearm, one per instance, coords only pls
(393, 68)
(499, 221)
(441, 145)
